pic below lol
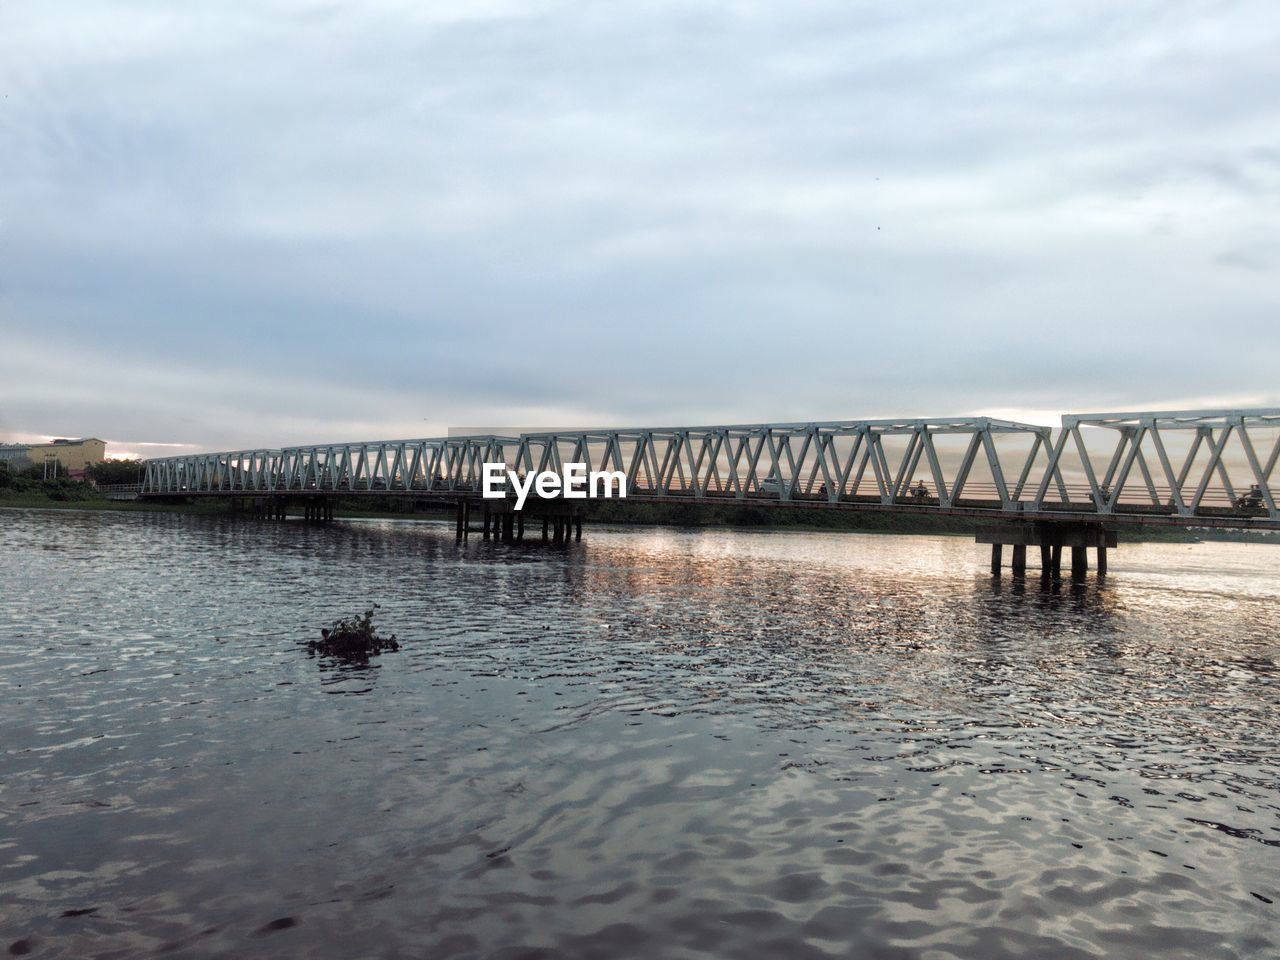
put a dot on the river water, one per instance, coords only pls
(655, 743)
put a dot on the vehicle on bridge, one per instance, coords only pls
(1251, 500)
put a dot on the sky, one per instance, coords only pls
(240, 225)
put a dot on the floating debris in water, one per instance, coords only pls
(353, 639)
(282, 923)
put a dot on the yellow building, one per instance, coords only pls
(72, 455)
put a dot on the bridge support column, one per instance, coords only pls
(459, 521)
(559, 525)
(1079, 562)
(1050, 537)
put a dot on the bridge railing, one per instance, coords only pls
(1184, 463)
(119, 491)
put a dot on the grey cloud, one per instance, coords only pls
(391, 217)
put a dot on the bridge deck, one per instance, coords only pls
(1208, 517)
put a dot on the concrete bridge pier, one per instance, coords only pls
(502, 523)
(1019, 559)
(1079, 562)
(1050, 537)
(317, 509)
(268, 508)
(564, 527)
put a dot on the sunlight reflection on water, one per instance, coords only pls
(656, 743)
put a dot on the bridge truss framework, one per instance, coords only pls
(1189, 468)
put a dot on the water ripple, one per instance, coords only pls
(656, 743)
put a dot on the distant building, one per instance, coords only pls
(13, 456)
(71, 456)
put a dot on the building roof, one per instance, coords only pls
(63, 442)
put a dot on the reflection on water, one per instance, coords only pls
(657, 743)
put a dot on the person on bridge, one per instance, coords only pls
(1252, 500)
(920, 492)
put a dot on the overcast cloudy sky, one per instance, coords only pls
(237, 224)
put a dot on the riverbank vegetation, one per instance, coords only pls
(115, 471)
(23, 489)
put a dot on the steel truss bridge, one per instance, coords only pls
(1204, 468)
